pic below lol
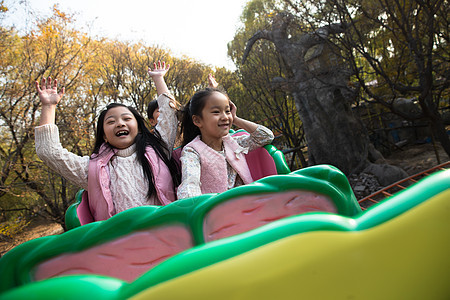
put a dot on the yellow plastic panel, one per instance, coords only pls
(405, 258)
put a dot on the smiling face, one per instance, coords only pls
(215, 121)
(120, 127)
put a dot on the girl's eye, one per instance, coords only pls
(110, 122)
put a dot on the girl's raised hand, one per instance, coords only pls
(233, 110)
(48, 94)
(212, 83)
(159, 69)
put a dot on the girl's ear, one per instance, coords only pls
(152, 122)
(197, 121)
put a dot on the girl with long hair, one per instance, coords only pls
(129, 166)
(212, 160)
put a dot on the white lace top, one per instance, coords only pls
(128, 184)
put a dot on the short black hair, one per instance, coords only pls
(152, 106)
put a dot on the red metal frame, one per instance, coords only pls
(388, 191)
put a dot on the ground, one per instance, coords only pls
(38, 227)
(413, 159)
(417, 158)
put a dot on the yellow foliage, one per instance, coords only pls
(94, 72)
(12, 228)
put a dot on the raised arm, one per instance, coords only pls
(259, 134)
(167, 122)
(157, 74)
(212, 83)
(248, 126)
(49, 97)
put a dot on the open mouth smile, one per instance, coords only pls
(122, 133)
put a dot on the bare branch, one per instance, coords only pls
(262, 34)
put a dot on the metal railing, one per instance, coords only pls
(398, 186)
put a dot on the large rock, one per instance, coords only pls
(385, 174)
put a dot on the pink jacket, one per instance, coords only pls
(100, 198)
(213, 176)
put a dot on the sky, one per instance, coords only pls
(199, 29)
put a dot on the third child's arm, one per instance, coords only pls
(157, 74)
(167, 121)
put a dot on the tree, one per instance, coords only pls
(402, 46)
(186, 77)
(52, 49)
(122, 68)
(260, 97)
(94, 72)
(319, 87)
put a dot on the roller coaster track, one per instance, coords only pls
(396, 187)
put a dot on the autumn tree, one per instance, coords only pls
(262, 96)
(318, 79)
(186, 77)
(52, 49)
(395, 49)
(94, 72)
(123, 70)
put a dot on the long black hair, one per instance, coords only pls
(194, 108)
(143, 139)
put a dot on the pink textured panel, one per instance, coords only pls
(125, 258)
(83, 211)
(246, 213)
(260, 163)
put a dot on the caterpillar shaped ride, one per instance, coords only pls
(300, 235)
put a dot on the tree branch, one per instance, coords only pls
(262, 34)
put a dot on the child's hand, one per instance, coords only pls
(233, 110)
(49, 93)
(212, 83)
(158, 70)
